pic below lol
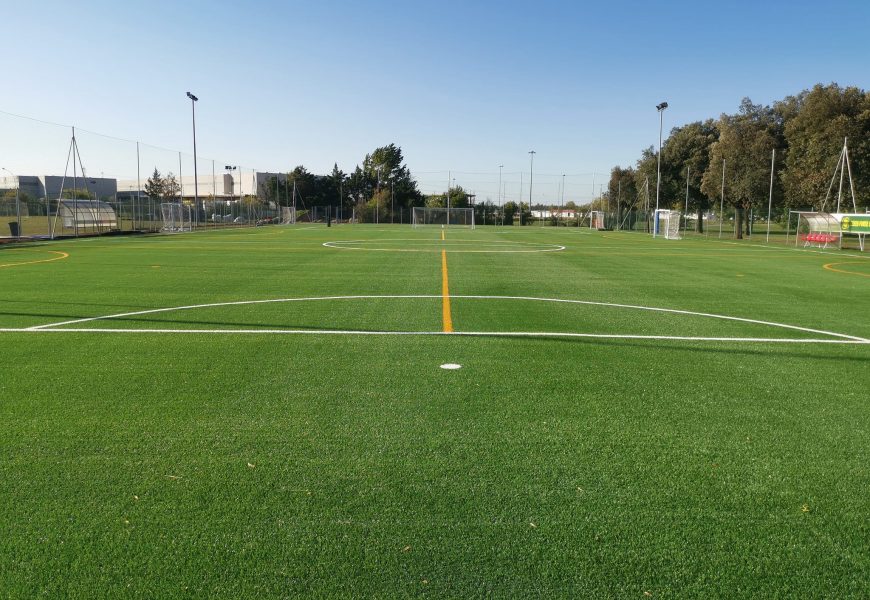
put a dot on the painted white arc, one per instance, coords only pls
(467, 297)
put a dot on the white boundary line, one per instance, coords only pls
(58, 325)
(446, 246)
(507, 334)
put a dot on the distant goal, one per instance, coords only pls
(176, 216)
(425, 216)
(667, 224)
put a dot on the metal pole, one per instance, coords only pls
(448, 197)
(770, 198)
(722, 201)
(519, 204)
(213, 196)
(531, 181)
(659, 170)
(75, 187)
(138, 186)
(842, 174)
(180, 184)
(618, 199)
(193, 100)
(686, 211)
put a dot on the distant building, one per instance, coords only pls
(38, 187)
(565, 213)
(223, 186)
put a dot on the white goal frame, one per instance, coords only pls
(423, 216)
(176, 216)
(597, 220)
(666, 223)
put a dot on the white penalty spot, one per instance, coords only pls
(451, 366)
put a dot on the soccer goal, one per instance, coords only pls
(176, 217)
(423, 216)
(667, 224)
(597, 220)
(288, 215)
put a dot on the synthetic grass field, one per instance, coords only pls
(314, 446)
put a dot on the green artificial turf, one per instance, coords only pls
(158, 464)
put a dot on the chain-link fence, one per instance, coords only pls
(60, 181)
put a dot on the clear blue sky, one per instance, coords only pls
(461, 86)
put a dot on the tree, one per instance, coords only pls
(385, 168)
(686, 155)
(745, 144)
(77, 194)
(171, 188)
(155, 186)
(622, 189)
(816, 123)
(510, 210)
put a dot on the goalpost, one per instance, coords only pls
(288, 215)
(176, 217)
(596, 219)
(667, 224)
(422, 216)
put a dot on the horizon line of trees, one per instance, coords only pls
(804, 132)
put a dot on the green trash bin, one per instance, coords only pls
(13, 228)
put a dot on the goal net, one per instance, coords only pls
(596, 219)
(176, 217)
(667, 224)
(288, 215)
(448, 217)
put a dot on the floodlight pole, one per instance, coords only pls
(531, 183)
(770, 197)
(193, 101)
(500, 167)
(661, 108)
(17, 203)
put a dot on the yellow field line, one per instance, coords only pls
(830, 267)
(61, 256)
(442, 235)
(445, 295)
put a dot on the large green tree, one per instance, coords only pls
(745, 144)
(458, 198)
(685, 159)
(155, 186)
(816, 123)
(622, 190)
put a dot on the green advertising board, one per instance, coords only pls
(855, 223)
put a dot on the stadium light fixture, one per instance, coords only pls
(17, 203)
(661, 109)
(193, 101)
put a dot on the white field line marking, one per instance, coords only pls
(800, 249)
(429, 296)
(337, 245)
(508, 334)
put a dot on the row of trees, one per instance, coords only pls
(160, 187)
(806, 131)
(381, 183)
